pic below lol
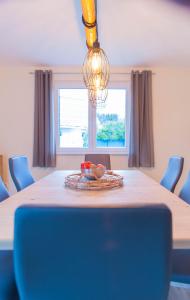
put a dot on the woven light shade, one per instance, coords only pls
(97, 97)
(96, 66)
(96, 69)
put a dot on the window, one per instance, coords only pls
(110, 121)
(82, 128)
(73, 118)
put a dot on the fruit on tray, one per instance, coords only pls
(92, 171)
(100, 170)
(100, 166)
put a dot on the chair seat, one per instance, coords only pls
(4, 194)
(20, 173)
(185, 191)
(181, 265)
(173, 173)
(8, 289)
(96, 255)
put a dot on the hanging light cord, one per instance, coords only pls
(92, 25)
(96, 43)
(96, 15)
(89, 25)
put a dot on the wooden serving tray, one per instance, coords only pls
(107, 181)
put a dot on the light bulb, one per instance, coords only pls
(96, 62)
(96, 70)
(97, 82)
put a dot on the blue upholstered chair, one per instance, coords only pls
(92, 253)
(8, 289)
(181, 265)
(103, 159)
(4, 194)
(185, 191)
(20, 173)
(181, 257)
(173, 173)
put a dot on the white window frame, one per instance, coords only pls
(78, 84)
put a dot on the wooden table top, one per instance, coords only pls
(137, 189)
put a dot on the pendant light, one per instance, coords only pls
(97, 96)
(96, 66)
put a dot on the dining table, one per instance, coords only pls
(137, 189)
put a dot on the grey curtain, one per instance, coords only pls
(141, 147)
(44, 152)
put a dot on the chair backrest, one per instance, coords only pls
(185, 191)
(173, 173)
(4, 194)
(92, 253)
(20, 173)
(103, 159)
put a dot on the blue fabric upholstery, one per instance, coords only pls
(181, 257)
(173, 173)
(4, 194)
(20, 172)
(8, 289)
(181, 265)
(185, 191)
(92, 253)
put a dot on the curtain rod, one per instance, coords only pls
(80, 73)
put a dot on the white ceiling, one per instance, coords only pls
(132, 32)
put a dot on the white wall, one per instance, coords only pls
(171, 109)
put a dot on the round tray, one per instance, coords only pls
(107, 181)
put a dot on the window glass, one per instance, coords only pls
(111, 120)
(73, 118)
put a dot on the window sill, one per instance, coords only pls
(79, 152)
